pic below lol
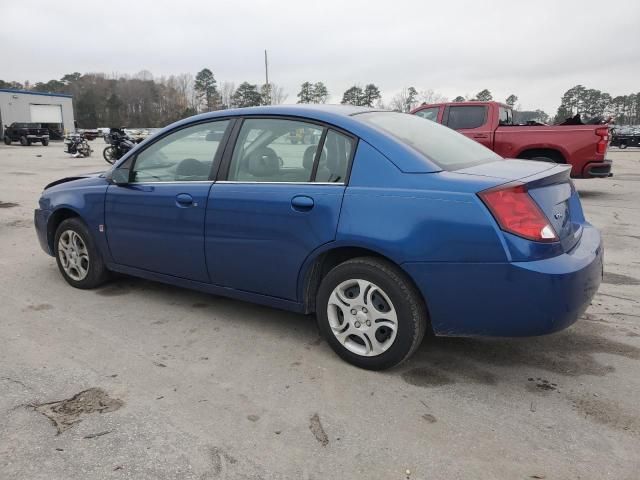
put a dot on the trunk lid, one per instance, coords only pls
(549, 185)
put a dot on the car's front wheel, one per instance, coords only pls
(370, 313)
(7, 140)
(45, 142)
(78, 258)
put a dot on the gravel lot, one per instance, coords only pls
(192, 386)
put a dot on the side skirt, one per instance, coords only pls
(266, 300)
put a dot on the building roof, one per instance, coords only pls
(29, 92)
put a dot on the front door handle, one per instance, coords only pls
(480, 135)
(302, 203)
(184, 200)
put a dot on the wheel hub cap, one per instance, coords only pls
(362, 317)
(73, 255)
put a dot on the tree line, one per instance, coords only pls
(589, 102)
(142, 100)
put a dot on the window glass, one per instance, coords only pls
(272, 150)
(506, 116)
(445, 147)
(429, 113)
(183, 156)
(334, 159)
(471, 116)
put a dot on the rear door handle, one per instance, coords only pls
(184, 200)
(302, 203)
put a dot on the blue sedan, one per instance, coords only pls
(385, 225)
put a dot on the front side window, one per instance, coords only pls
(429, 113)
(275, 150)
(445, 147)
(471, 116)
(183, 156)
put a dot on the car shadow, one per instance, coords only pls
(438, 361)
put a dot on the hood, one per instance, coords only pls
(72, 179)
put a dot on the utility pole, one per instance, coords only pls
(266, 74)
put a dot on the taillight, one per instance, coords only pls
(601, 146)
(517, 213)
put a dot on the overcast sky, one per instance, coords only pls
(536, 50)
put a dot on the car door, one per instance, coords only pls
(155, 222)
(471, 121)
(278, 200)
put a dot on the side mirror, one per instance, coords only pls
(120, 176)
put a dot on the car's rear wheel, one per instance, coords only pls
(370, 313)
(7, 140)
(78, 258)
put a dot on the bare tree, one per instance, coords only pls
(227, 89)
(429, 96)
(278, 96)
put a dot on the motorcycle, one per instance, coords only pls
(120, 143)
(77, 145)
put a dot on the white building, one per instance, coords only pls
(53, 110)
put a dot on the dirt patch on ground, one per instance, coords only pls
(607, 412)
(8, 204)
(618, 279)
(318, 431)
(66, 413)
(20, 224)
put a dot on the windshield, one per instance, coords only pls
(446, 148)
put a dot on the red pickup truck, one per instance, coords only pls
(584, 147)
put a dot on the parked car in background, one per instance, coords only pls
(386, 226)
(584, 147)
(25, 133)
(623, 137)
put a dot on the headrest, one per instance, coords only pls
(309, 157)
(264, 162)
(190, 167)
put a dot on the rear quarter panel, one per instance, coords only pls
(416, 217)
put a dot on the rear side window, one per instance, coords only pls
(334, 159)
(446, 148)
(506, 116)
(274, 150)
(470, 116)
(429, 113)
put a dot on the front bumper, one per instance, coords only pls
(515, 299)
(37, 137)
(597, 169)
(40, 220)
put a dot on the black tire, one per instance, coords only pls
(110, 155)
(7, 140)
(412, 317)
(97, 273)
(623, 145)
(45, 142)
(24, 142)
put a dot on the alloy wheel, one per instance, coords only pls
(362, 317)
(73, 255)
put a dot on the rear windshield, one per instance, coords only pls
(446, 148)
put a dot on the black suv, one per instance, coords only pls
(25, 133)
